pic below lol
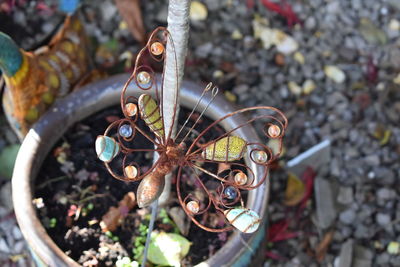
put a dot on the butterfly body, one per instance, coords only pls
(151, 187)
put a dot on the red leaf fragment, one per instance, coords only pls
(250, 4)
(279, 232)
(308, 178)
(274, 256)
(372, 71)
(363, 100)
(284, 9)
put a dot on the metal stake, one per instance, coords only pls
(154, 208)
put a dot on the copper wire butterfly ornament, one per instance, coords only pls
(203, 192)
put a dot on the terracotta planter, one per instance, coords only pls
(82, 104)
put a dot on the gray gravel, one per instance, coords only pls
(353, 114)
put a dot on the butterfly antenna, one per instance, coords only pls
(214, 93)
(206, 89)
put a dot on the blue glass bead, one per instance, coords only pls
(125, 131)
(230, 192)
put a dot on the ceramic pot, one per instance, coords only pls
(85, 102)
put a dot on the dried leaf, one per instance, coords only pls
(230, 96)
(396, 80)
(322, 247)
(180, 219)
(284, 43)
(298, 56)
(393, 248)
(295, 190)
(334, 73)
(132, 15)
(308, 86)
(382, 134)
(198, 11)
(371, 33)
(111, 220)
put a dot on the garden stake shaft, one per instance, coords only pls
(154, 209)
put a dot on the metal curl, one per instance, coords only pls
(127, 139)
(191, 153)
(126, 179)
(267, 127)
(130, 100)
(153, 38)
(211, 198)
(249, 171)
(134, 164)
(150, 71)
(264, 148)
(224, 201)
(201, 211)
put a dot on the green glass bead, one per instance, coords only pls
(106, 148)
(150, 112)
(229, 148)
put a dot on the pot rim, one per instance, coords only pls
(81, 104)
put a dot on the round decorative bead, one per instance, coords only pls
(240, 178)
(157, 48)
(143, 78)
(131, 109)
(230, 192)
(260, 156)
(131, 172)
(125, 131)
(106, 148)
(274, 131)
(193, 206)
(245, 220)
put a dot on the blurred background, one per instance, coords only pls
(332, 66)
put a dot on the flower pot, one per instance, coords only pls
(239, 250)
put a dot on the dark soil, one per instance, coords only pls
(69, 172)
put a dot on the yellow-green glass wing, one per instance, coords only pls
(229, 148)
(150, 112)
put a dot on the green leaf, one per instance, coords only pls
(167, 248)
(7, 160)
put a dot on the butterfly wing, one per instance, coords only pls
(142, 128)
(222, 170)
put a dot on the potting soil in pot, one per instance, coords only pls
(74, 191)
